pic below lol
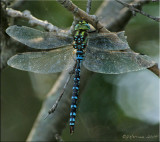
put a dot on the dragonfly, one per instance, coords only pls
(107, 53)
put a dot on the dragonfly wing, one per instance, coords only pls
(38, 39)
(109, 41)
(115, 62)
(43, 62)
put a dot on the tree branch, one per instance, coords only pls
(33, 21)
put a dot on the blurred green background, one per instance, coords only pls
(119, 105)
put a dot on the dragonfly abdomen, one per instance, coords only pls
(75, 97)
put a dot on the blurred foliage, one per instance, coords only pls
(100, 117)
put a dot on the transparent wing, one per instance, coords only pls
(115, 62)
(43, 62)
(38, 39)
(108, 41)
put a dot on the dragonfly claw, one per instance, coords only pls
(46, 116)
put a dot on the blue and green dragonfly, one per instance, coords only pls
(107, 53)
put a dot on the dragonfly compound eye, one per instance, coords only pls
(87, 26)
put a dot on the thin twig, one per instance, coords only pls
(88, 6)
(31, 19)
(119, 21)
(133, 9)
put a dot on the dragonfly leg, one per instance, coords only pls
(73, 70)
(94, 31)
(99, 29)
(53, 108)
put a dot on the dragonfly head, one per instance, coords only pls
(82, 25)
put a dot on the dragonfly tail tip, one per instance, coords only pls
(71, 130)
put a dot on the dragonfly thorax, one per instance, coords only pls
(80, 37)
